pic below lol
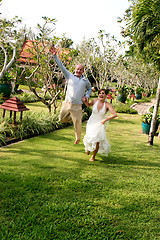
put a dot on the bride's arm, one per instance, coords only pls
(89, 104)
(113, 113)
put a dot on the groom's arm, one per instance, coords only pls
(65, 72)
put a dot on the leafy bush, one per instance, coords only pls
(139, 90)
(6, 79)
(124, 108)
(147, 118)
(86, 112)
(28, 97)
(3, 130)
(152, 108)
(1, 99)
(142, 100)
(123, 89)
(33, 124)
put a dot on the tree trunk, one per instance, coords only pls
(49, 108)
(7, 65)
(155, 111)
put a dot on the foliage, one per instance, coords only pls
(152, 109)
(1, 96)
(44, 72)
(142, 100)
(6, 79)
(33, 124)
(98, 56)
(3, 130)
(123, 89)
(65, 42)
(86, 112)
(143, 28)
(124, 108)
(139, 90)
(134, 71)
(27, 97)
(147, 118)
(8, 43)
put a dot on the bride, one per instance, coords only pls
(95, 139)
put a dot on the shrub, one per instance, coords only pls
(142, 100)
(86, 112)
(6, 79)
(147, 118)
(3, 130)
(28, 97)
(124, 108)
(33, 124)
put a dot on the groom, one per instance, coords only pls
(77, 84)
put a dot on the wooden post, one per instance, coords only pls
(14, 119)
(4, 110)
(10, 113)
(21, 116)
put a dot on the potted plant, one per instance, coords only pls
(139, 91)
(5, 85)
(122, 93)
(146, 122)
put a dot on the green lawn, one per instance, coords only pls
(37, 107)
(25, 87)
(50, 190)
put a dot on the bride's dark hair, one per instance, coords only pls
(102, 89)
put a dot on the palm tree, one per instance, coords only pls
(143, 28)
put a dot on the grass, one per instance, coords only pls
(34, 107)
(25, 87)
(49, 189)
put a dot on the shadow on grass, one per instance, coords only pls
(31, 204)
(70, 152)
(113, 160)
(124, 121)
(51, 208)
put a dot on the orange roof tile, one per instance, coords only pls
(28, 51)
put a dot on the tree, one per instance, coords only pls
(143, 29)
(98, 55)
(65, 42)
(8, 43)
(41, 70)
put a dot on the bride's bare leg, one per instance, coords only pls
(94, 152)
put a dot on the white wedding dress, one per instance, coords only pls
(96, 132)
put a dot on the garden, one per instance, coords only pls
(36, 121)
(49, 188)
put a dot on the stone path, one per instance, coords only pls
(143, 108)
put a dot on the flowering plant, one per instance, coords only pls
(123, 89)
(147, 118)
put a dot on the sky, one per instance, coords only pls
(77, 19)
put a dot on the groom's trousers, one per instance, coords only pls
(72, 113)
